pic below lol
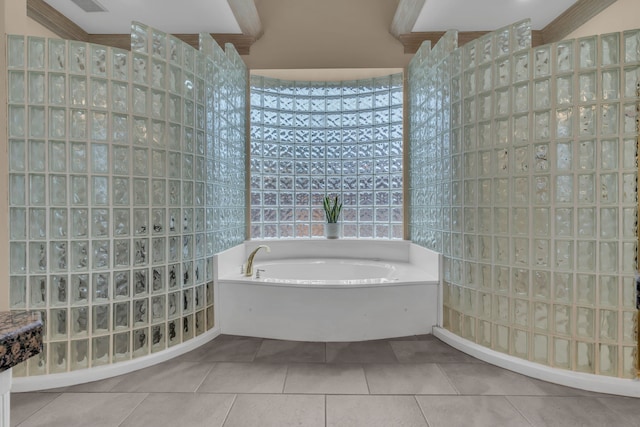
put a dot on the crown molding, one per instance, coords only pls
(41, 12)
(572, 18)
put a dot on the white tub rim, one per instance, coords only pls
(400, 274)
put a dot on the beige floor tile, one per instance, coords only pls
(396, 378)
(101, 386)
(181, 409)
(373, 411)
(225, 348)
(165, 377)
(569, 412)
(279, 351)
(485, 379)
(86, 409)
(277, 411)
(326, 379)
(470, 411)
(360, 352)
(282, 383)
(228, 377)
(23, 405)
(628, 407)
(429, 351)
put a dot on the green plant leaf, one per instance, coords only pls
(332, 208)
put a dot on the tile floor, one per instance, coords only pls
(240, 381)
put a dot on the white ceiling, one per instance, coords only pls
(480, 15)
(215, 16)
(171, 16)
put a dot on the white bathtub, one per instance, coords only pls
(328, 271)
(326, 290)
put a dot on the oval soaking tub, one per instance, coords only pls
(329, 290)
(327, 271)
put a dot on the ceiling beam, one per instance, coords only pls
(247, 16)
(41, 12)
(406, 16)
(572, 18)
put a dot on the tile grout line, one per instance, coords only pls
(38, 410)
(286, 376)
(325, 411)
(253, 359)
(226, 417)
(506, 397)
(448, 379)
(366, 380)
(393, 352)
(134, 408)
(204, 377)
(415, 397)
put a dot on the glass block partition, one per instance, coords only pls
(311, 139)
(126, 176)
(523, 174)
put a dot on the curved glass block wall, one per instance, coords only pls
(311, 139)
(126, 176)
(523, 174)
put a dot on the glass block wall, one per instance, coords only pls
(126, 176)
(311, 139)
(523, 174)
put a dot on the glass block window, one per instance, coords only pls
(524, 176)
(127, 172)
(311, 139)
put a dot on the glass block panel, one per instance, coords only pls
(564, 56)
(71, 203)
(328, 119)
(608, 362)
(610, 46)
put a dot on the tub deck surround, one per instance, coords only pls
(337, 290)
(20, 337)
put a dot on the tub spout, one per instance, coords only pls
(248, 271)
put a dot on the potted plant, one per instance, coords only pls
(332, 209)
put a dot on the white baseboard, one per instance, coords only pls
(591, 382)
(43, 382)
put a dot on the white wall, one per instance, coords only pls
(17, 21)
(328, 34)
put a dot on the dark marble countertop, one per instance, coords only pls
(20, 337)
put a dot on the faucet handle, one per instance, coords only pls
(242, 268)
(258, 272)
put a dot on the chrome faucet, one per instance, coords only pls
(248, 271)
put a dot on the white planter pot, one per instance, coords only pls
(332, 230)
